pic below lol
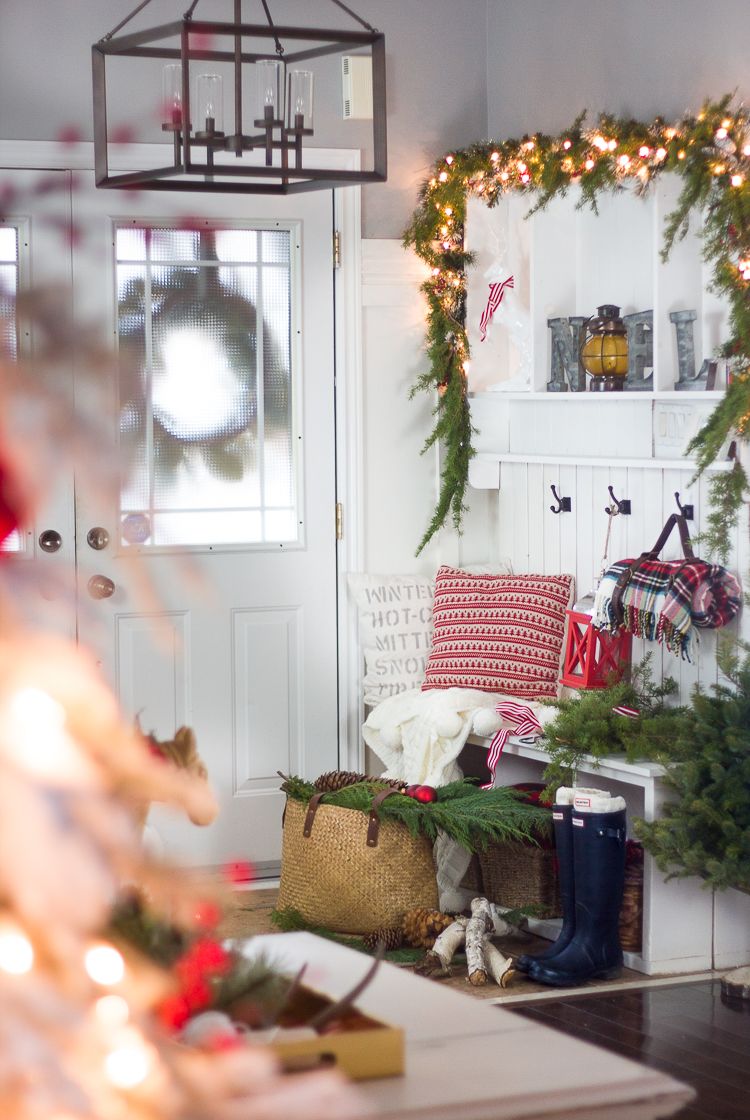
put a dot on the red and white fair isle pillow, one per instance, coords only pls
(499, 633)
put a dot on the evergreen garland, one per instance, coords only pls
(469, 815)
(711, 154)
(588, 725)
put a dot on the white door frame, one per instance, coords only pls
(41, 154)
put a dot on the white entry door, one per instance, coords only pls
(207, 588)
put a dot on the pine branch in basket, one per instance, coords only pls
(471, 816)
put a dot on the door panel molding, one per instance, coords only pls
(261, 749)
(169, 686)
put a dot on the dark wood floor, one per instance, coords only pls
(685, 1030)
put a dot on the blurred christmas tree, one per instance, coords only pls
(88, 1022)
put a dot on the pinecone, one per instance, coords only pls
(337, 779)
(392, 937)
(422, 926)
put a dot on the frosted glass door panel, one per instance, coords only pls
(9, 327)
(207, 386)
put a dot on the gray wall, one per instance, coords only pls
(548, 61)
(436, 76)
(453, 67)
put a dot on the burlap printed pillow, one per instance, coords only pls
(395, 631)
(499, 633)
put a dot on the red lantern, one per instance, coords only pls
(593, 657)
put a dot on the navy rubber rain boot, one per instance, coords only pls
(561, 822)
(599, 877)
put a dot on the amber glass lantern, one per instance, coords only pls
(605, 352)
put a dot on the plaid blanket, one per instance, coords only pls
(664, 600)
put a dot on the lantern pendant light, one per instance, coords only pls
(269, 67)
(605, 350)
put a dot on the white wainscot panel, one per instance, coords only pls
(152, 660)
(266, 691)
(731, 929)
(678, 931)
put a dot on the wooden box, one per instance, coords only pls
(360, 1046)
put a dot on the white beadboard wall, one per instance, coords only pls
(538, 540)
(633, 442)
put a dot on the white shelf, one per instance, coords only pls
(600, 461)
(679, 933)
(674, 395)
(614, 766)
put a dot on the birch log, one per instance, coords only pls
(478, 928)
(500, 967)
(440, 956)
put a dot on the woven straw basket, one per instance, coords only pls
(339, 880)
(516, 874)
(631, 914)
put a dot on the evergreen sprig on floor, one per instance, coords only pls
(469, 815)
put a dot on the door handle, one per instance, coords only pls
(50, 540)
(100, 587)
(97, 538)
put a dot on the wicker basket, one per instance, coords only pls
(337, 878)
(631, 912)
(515, 874)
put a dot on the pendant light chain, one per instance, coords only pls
(354, 15)
(188, 15)
(135, 11)
(279, 48)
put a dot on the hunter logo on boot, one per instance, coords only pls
(579, 822)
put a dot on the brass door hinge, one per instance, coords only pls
(336, 249)
(339, 521)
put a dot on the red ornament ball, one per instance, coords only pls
(425, 794)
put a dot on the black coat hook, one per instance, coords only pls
(620, 505)
(688, 510)
(564, 505)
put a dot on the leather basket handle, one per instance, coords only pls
(682, 525)
(312, 808)
(625, 577)
(373, 824)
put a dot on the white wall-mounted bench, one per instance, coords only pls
(686, 928)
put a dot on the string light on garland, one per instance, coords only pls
(16, 952)
(105, 965)
(600, 159)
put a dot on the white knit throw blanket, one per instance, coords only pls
(419, 735)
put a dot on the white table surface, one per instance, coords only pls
(469, 1060)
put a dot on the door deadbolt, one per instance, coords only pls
(97, 538)
(50, 540)
(100, 587)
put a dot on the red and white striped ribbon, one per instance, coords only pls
(497, 291)
(524, 723)
(624, 710)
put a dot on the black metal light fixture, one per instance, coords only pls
(271, 67)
